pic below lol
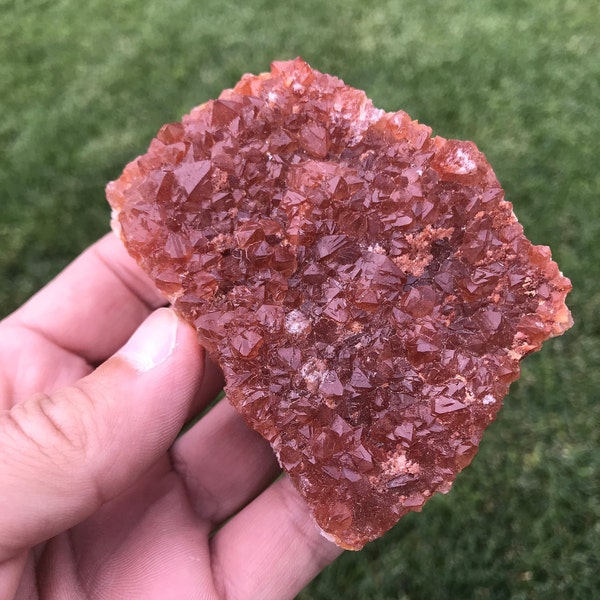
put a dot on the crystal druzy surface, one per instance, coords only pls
(364, 286)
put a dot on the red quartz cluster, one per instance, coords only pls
(364, 286)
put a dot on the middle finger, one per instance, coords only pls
(223, 463)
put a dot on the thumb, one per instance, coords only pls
(64, 455)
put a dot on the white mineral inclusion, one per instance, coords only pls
(313, 372)
(296, 322)
(398, 464)
(376, 249)
(357, 123)
(463, 164)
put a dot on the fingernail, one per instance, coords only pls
(153, 342)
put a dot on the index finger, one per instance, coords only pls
(94, 305)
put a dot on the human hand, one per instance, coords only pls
(98, 496)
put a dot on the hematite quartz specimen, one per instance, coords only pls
(364, 286)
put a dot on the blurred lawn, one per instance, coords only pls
(84, 86)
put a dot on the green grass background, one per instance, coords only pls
(84, 86)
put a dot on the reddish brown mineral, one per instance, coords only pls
(364, 286)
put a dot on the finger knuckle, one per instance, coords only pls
(51, 425)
